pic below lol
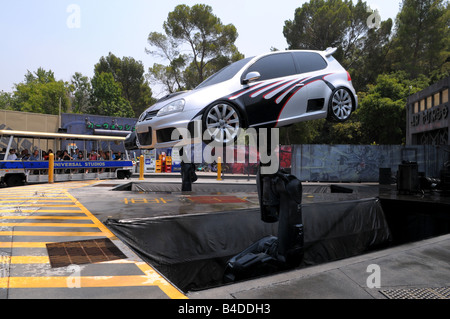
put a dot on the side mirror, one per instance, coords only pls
(251, 76)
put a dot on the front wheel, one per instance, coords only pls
(341, 105)
(222, 121)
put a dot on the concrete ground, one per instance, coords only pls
(408, 270)
(28, 218)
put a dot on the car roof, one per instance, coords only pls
(326, 53)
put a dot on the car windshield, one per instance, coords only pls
(225, 74)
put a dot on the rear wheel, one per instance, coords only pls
(222, 121)
(341, 105)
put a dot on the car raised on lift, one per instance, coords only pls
(270, 90)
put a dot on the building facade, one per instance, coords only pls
(427, 115)
(84, 124)
(24, 121)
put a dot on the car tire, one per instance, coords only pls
(341, 105)
(222, 123)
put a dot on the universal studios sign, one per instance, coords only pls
(430, 116)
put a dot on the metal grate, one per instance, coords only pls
(83, 252)
(418, 293)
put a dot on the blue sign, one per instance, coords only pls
(64, 164)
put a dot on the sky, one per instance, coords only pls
(68, 36)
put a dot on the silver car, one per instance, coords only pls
(270, 90)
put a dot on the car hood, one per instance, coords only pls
(166, 100)
(197, 98)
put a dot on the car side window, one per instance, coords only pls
(309, 61)
(273, 66)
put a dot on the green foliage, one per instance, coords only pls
(389, 131)
(370, 59)
(6, 101)
(107, 97)
(198, 31)
(320, 24)
(40, 76)
(129, 75)
(81, 90)
(422, 39)
(301, 133)
(382, 108)
(41, 93)
(349, 132)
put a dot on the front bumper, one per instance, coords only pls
(167, 131)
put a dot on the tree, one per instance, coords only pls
(40, 76)
(129, 74)
(301, 133)
(41, 93)
(107, 97)
(6, 101)
(421, 43)
(372, 56)
(198, 31)
(382, 108)
(346, 133)
(320, 24)
(81, 90)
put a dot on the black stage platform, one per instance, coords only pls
(340, 221)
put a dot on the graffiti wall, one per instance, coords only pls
(362, 163)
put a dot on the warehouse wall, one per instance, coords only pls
(23, 121)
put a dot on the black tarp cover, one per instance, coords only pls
(192, 251)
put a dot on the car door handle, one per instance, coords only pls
(300, 85)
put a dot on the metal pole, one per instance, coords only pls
(141, 168)
(51, 168)
(219, 169)
(60, 112)
(8, 147)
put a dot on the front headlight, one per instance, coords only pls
(141, 118)
(174, 107)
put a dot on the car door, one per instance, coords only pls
(278, 86)
(313, 66)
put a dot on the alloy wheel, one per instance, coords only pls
(341, 104)
(223, 122)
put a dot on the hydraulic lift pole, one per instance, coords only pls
(280, 198)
